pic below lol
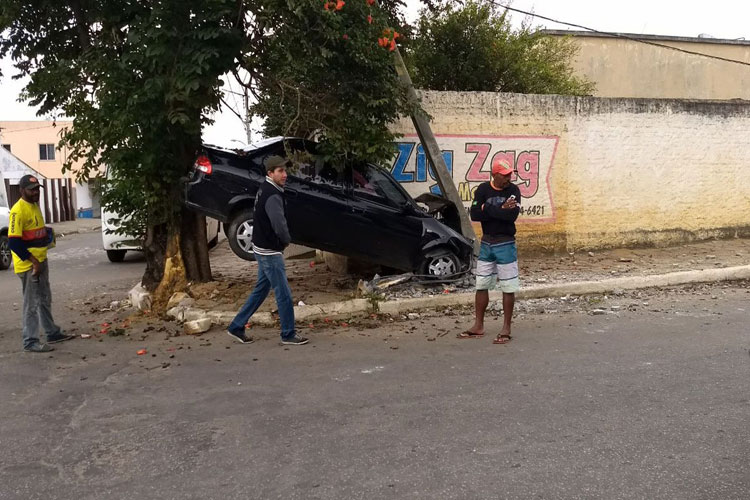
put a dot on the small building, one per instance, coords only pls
(55, 201)
(622, 65)
(36, 145)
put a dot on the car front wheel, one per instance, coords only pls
(440, 265)
(240, 235)
(5, 258)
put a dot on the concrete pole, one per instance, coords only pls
(434, 154)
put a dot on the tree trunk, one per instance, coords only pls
(175, 256)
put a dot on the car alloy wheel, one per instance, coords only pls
(245, 236)
(5, 257)
(442, 265)
(240, 235)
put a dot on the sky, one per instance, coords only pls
(717, 19)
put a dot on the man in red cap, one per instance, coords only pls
(496, 206)
(28, 239)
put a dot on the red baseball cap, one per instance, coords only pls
(501, 168)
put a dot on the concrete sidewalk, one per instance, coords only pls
(77, 226)
(328, 295)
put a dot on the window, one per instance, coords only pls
(373, 184)
(7, 146)
(47, 152)
(320, 172)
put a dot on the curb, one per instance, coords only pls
(364, 306)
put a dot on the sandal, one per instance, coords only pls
(466, 334)
(502, 339)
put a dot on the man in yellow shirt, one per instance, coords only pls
(28, 240)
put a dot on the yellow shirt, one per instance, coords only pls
(27, 223)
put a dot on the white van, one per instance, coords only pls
(117, 245)
(5, 257)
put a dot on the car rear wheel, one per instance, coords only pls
(116, 255)
(440, 265)
(240, 235)
(5, 257)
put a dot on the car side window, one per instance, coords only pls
(373, 184)
(320, 172)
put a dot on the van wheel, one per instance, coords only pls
(116, 255)
(240, 235)
(5, 258)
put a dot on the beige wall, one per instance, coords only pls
(626, 68)
(25, 137)
(609, 172)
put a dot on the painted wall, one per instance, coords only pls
(597, 172)
(626, 68)
(24, 138)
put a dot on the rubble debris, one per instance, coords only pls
(197, 326)
(140, 298)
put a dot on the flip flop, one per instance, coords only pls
(466, 334)
(502, 339)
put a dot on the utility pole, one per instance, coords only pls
(434, 154)
(248, 117)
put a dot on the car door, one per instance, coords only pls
(317, 204)
(385, 228)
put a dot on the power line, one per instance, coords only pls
(6, 131)
(621, 35)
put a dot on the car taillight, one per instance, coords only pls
(203, 164)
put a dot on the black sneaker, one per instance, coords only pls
(38, 348)
(296, 340)
(60, 337)
(240, 337)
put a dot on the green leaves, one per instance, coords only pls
(475, 48)
(320, 73)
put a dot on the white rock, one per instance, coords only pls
(598, 312)
(197, 326)
(140, 298)
(413, 315)
(176, 298)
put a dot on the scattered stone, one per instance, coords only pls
(591, 254)
(598, 312)
(625, 259)
(180, 299)
(413, 315)
(708, 257)
(197, 326)
(140, 298)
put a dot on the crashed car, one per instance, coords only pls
(357, 210)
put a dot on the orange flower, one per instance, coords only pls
(393, 45)
(345, 37)
(386, 32)
(326, 6)
(396, 34)
(340, 4)
(369, 19)
(370, 2)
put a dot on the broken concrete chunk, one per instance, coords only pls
(197, 326)
(140, 298)
(176, 299)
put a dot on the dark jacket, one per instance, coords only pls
(270, 231)
(486, 208)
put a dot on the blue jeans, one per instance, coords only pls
(271, 274)
(37, 306)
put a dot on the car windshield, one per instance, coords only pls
(369, 182)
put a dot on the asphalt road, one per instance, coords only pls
(651, 403)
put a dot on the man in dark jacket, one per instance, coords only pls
(270, 238)
(496, 206)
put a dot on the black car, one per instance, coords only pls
(356, 210)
